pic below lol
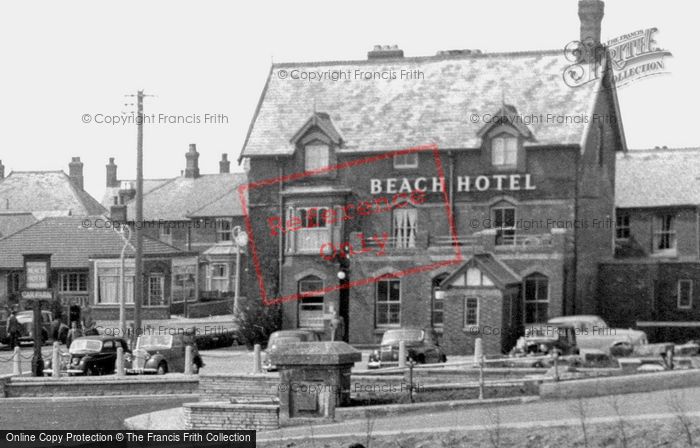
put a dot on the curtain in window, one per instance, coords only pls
(405, 228)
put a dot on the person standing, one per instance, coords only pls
(14, 330)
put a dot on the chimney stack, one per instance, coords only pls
(75, 172)
(2, 170)
(112, 174)
(224, 164)
(385, 52)
(590, 13)
(192, 166)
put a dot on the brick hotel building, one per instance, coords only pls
(507, 182)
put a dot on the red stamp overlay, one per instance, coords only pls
(377, 244)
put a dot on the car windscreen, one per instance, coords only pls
(154, 341)
(82, 345)
(394, 336)
(25, 316)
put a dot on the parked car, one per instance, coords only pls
(593, 333)
(279, 339)
(90, 355)
(421, 346)
(555, 337)
(26, 320)
(162, 353)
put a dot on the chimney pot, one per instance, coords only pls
(192, 162)
(111, 169)
(224, 164)
(590, 13)
(75, 172)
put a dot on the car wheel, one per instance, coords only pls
(420, 359)
(44, 337)
(195, 368)
(443, 358)
(162, 368)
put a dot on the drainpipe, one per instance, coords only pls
(280, 239)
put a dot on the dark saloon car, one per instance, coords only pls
(162, 353)
(26, 321)
(90, 355)
(279, 339)
(421, 346)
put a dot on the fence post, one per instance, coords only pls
(257, 363)
(56, 360)
(478, 350)
(481, 377)
(555, 355)
(17, 362)
(188, 360)
(120, 361)
(402, 353)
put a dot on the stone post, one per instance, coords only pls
(257, 363)
(188, 360)
(402, 353)
(120, 361)
(17, 362)
(478, 350)
(56, 360)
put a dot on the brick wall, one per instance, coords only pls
(226, 387)
(458, 340)
(225, 415)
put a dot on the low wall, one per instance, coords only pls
(4, 380)
(212, 308)
(621, 384)
(224, 415)
(104, 385)
(227, 387)
(108, 312)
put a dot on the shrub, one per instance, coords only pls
(257, 322)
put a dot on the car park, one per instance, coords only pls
(281, 338)
(162, 353)
(89, 355)
(421, 346)
(594, 334)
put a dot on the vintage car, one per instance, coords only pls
(593, 334)
(90, 355)
(557, 338)
(162, 353)
(279, 339)
(26, 320)
(421, 346)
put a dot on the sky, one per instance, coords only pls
(63, 60)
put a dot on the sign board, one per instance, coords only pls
(33, 295)
(37, 274)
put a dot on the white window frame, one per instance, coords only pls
(221, 232)
(404, 161)
(161, 277)
(312, 235)
(305, 307)
(313, 159)
(690, 294)
(535, 276)
(504, 151)
(466, 312)
(387, 302)
(622, 227)
(669, 233)
(65, 281)
(501, 230)
(211, 278)
(129, 280)
(405, 231)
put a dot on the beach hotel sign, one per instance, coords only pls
(495, 182)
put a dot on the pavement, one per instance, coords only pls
(653, 405)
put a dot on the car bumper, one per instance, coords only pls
(49, 372)
(145, 370)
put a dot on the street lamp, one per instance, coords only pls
(240, 238)
(125, 234)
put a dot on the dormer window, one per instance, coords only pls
(316, 156)
(403, 161)
(504, 151)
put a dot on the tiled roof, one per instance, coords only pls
(497, 271)
(182, 197)
(658, 177)
(438, 107)
(44, 191)
(111, 192)
(14, 221)
(70, 242)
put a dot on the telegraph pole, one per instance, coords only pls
(138, 280)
